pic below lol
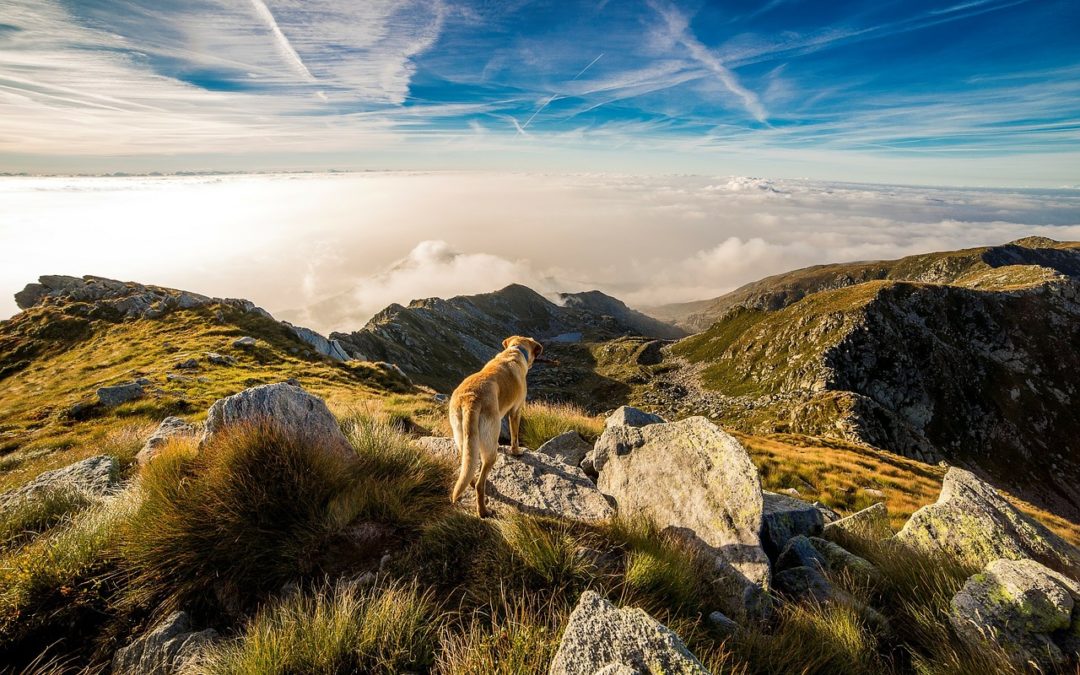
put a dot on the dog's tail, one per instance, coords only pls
(470, 432)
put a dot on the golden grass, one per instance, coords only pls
(543, 421)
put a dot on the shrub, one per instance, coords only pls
(543, 421)
(390, 628)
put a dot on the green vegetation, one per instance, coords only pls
(543, 421)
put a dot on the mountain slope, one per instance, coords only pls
(979, 371)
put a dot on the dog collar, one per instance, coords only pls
(524, 352)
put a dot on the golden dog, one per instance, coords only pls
(477, 407)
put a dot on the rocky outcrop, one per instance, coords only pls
(870, 523)
(600, 638)
(974, 525)
(284, 405)
(568, 447)
(165, 649)
(630, 416)
(92, 477)
(120, 393)
(784, 517)
(825, 556)
(169, 428)
(327, 347)
(694, 478)
(1023, 608)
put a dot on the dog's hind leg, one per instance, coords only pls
(489, 453)
(466, 428)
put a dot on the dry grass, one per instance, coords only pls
(543, 421)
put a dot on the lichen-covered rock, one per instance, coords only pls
(630, 416)
(870, 523)
(169, 427)
(973, 524)
(283, 404)
(96, 476)
(120, 393)
(695, 478)
(784, 517)
(599, 637)
(569, 447)
(164, 650)
(220, 359)
(825, 556)
(1026, 609)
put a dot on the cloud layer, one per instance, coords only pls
(331, 250)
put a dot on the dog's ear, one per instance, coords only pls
(538, 348)
(506, 343)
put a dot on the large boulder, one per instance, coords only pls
(164, 650)
(630, 416)
(1026, 609)
(974, 525)
(601, 638)
(569, 447)
(169, 427)
(694, 478)
(92, 477)
(282, 404)
(120, 393)
(784, 517)
(870, 523)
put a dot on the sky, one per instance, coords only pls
(330, 250)
(962, 92)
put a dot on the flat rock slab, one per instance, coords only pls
(974, 525)
(601, 638)
(120, 393)
(631, 417)
(94, 477)
(163, 650)
(569, 447)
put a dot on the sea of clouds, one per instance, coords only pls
(331, 250)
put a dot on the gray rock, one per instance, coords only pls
(329, 348)
(1026, 609)
(440, 398)
(220, 359)
(282, 404)
(602, 638)
(693, 477)
(827, 514)
(799, 552)
(569, 447)
(164, 650)
(840, 559)
(395, 370)
(800, 583)
(632, 417)
(974, 525)
(784, 517)
(244, 342)
(721, 621)
(93, 477)
(120, 393)
(187, 364)
(870, 523)
(169, 427)
(441, 446)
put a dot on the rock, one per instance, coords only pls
(169, 427)
(631, 417)
(187, 364)
(220, 359)
(93, 477)
(440, 398)
(164, 650)
(827, 514)
(721, 621)
(874, 493)
(244, 342)
(784, 517)
(839, 559)
(441, 446)
(602, 638)
(282, 404)
(974, 525)
(1026, 609)
(798, 583)
(569, 447)
(799, 552)
(870, 523)
(143, 381)
(329, 348)
(120, 393)
(693, 477)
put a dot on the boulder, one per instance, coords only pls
(120, 393)
(799, 583)
(599, 637)
(569, 447)
(784, 517)
(870, 523)
(693, 477)
(825, 556)
(974, 525)
(281, 404)
(329, 348)
(631, 417)
(169, 427)
(799, 552)
(1026, 609)
(164, 650)
(220, 359)
(244, 342)
(442, 446)
(96, 476)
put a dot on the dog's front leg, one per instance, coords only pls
(515, 424)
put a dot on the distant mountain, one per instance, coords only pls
(959, 267)
(437, 342)
(968, 356)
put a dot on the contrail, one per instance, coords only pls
(555, 96)
(587, 67)
(283, 42)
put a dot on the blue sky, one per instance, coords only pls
(970, 92)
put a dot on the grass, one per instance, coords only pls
(543, 421)
(29, 517)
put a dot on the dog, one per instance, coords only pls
(477, 407)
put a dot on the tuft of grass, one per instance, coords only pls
(661, 570)
(32, 515)
(340, 628)
(543, 421)
(546, 547)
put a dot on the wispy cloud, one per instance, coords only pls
(283, 42)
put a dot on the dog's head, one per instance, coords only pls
(527, 345)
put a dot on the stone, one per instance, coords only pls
(165, 649)
(870, 523)
(721, 621)
(394, 370)
(441, 446)
(281, 404)
(120, 393)
(631, 417)
(784, 517)
(329, 348)
(542, 485)
(972, 524)
(187, 364)
(799, 552)
(695, 478)
(169, 427)
(244, 342)
(569, 447)
(874, 493)
(97, 476)
(1026, 609)
(220, 359)
(798, 583)
(440, 398)
(599, 637)
(840, 559)
(827, 513)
